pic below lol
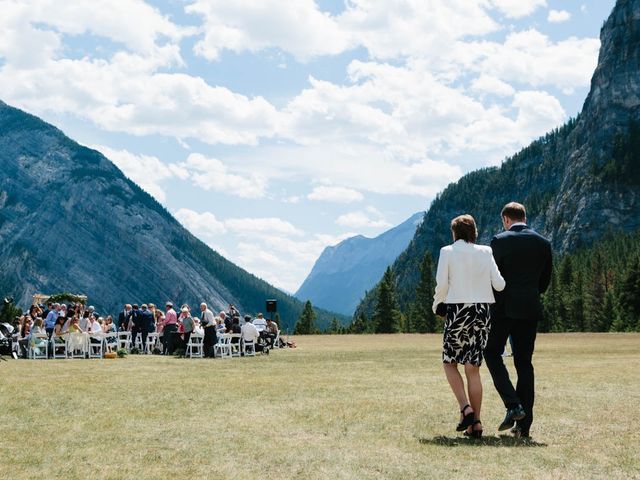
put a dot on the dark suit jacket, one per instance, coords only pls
(524, 260)
(123, 321)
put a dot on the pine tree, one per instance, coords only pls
(421, 315)
(334, 327)
(386, 316)
(629, 298)
(359, 324)
(306, 324)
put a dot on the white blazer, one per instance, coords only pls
(466, 274)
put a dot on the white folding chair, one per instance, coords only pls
(195, 347)
(152, 340)
(248, 348)
(15, 346)
(39, 346)
(96, 349)
(124, 340)
(235, 346)
(60, 349)
(276, 341)
(223, 347)
(76, 345)
(110, 341)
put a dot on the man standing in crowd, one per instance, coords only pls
(170, 326)
(124, 317)
(145, 320)
(134, 324)
(207, 320)
(524, 259)
(50, 320)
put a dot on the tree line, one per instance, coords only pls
(593, 289)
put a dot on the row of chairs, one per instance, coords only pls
(229, 345)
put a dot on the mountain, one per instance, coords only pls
(70, 221)
(343, 273)
(578, 182)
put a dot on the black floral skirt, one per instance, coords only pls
(466, 329)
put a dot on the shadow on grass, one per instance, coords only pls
(486, 441)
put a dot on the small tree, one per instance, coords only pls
(422, 318)
(359, 324)
(386, 316)
(306, 324)
(334, 327)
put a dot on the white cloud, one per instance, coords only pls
(518, 8)
(299, 28)
(255, 226)
(204, 225)
(327, 193)
(213, 174)
(145, 170)
(362, 219)
(558, 16)
(492, 86)
(531, 58)
(415, 28)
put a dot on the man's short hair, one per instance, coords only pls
(203, 305)
(464, 228)
(514, 211)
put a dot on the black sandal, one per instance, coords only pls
(474, 433)
(467, 420)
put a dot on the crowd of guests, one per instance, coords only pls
(173, 326)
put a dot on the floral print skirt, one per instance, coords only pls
(466, 329)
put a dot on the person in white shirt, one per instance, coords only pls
(260, 323)
(466, 277)
(249, 331)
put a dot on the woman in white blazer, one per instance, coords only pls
(466, 277)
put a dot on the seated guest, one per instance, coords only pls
(226, 320)
(272, 331)
(260, 323)
(250, 332)
(109, 327)
(235, 328)
(220, 327)
(94, 329)
(34, 342)
(84, 321)
(58, 330)
(25, 330)
(50, 319)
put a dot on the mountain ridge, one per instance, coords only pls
(70, 220)
(344, 272)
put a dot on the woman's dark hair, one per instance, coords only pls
(464, 228)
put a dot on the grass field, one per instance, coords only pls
(336, 407)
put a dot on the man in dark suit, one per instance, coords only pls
(524, 260)
(123, 318)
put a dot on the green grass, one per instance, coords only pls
(336, 407)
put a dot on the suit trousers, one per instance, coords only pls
(144, 333)
(523, 334)
(168, 339)
(208, 341)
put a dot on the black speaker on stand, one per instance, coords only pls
(272, 306)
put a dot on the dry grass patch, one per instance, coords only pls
(336, 407)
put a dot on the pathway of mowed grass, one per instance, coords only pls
(336, 407)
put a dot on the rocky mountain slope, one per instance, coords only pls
(70, 221)
(578, 182)
(344, 272)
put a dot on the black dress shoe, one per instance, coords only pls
(513, 414)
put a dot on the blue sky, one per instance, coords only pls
(272, 129)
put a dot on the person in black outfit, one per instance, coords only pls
(135, 324)
(524, 260)
(144, 321)
(123, 318)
